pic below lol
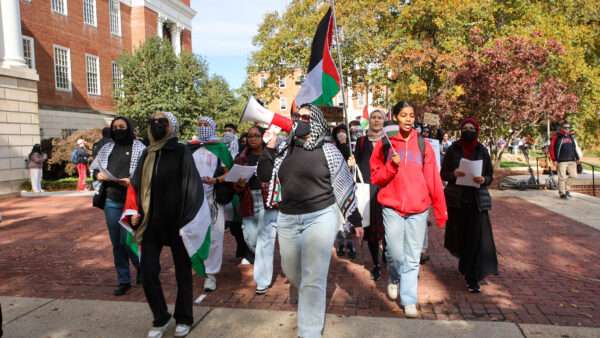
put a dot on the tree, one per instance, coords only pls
(155, 79)
(509, 86)
(218, 101)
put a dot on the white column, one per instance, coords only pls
(176, 30)
(160, 21)
(11, 40)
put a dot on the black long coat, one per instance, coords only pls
(177, 192)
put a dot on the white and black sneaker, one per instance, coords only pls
(262, 291)
(182, 330)
(159, 331)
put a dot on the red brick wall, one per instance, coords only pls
(48, 28)
(186, 40)
(143, 23)
(186, 2)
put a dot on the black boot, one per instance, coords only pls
(121, 289)
(376, 273)
(340, 250)
(351, 250)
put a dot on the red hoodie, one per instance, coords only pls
(411, 187)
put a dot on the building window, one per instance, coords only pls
(282, 82)
(89, 12)
(62, 68)
(59, 6)
(117, 76)
(283, 104)
(263, 82)
(115, 17)
(29, 51)
(92, 71)
(67, 132)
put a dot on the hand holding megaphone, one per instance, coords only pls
(270, 136)
(255, 112)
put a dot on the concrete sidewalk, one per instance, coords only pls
(39, 317)
(582, 208)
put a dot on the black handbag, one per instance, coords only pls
(579, 168)
(99, 198)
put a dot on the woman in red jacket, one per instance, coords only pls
(410, 184)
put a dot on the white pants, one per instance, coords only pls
(217, 232)
(36, 179)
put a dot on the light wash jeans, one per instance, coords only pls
(259, 234)
(404, 237)
(305, 244)
(36, 179)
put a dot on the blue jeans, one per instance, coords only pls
(121, 254)
(405, 237)
(259, 234)
(305, 244)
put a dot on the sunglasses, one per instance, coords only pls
(305, 118)
(161, 120)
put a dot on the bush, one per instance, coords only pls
(63, 147)
(69, 183)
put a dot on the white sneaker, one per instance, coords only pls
(245, 262)
(182, 330)
(159, 331)
(210, 283)
(410, 311)
(392, 291)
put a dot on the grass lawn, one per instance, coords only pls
(512, 164)
(68, 183)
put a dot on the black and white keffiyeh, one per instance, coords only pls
(341, 177)
(102, 159)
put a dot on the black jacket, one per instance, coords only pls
(453, 192)
(177, 192)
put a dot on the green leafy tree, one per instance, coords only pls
(218, 101)
(155, 79)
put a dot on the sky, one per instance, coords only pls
(222, 32)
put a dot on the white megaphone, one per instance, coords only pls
(255, 112)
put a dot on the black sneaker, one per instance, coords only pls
(568, 195)
(376, 273)
(424, 259)
(563, 196)
(121, 289)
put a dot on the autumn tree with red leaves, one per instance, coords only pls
(508, 88)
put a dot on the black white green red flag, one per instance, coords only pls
(322, 82)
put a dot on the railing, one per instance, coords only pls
(593, 176)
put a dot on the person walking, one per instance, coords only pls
(566, 155)
(35, 164)
(374, 233)
(310, 198)
(468, 233)
(119, 157)
(168, 200)
(213, 159)
(408, 176)
(80, 157)
(259, 221)
(344, 239)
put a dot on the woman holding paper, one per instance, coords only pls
(405, 169)
(118, 158)
(469, 231)
(259, 221)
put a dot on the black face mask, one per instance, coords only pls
(158, 131)
(302, 128)
(121, 136)
(468, 135)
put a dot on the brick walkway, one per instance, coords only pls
(550, 268)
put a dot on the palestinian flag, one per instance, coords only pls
(323, 81)
(195, 234)
(391, 129)
(364, 120)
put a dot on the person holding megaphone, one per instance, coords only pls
(310, 182)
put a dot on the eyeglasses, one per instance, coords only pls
(160, 120)
(305, 118)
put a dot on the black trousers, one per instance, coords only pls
(150, 267)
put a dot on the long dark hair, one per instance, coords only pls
(35, 149)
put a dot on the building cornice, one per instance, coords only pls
(174, 10)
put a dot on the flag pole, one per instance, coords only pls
(338, 47)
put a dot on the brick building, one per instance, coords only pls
(74, 44)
